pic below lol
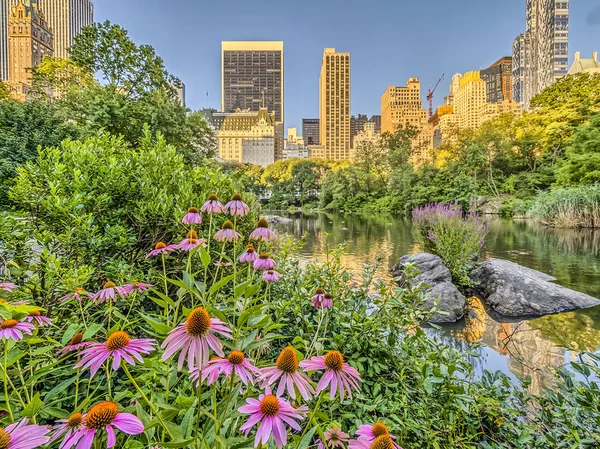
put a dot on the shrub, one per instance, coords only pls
(458, 238)
(574, 207)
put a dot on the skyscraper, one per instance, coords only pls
(252, 77)
(5, 6)
(521, 60)
(469, 101)
(66, 19)
(334, 104)
(401, 106)
(310, 131)
(498, 80)
(357, 124)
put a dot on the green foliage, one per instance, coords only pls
(581, 164)
(573, 207)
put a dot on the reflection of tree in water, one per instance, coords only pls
(578, 331)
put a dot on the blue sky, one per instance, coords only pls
(389, 40)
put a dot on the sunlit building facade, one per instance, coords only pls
(401, 106)
(498, 80)
(66, 19)
(470, 100)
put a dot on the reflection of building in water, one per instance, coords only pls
(475, 321)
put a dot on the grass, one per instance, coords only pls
(573, 207)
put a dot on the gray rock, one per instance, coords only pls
(513, 290)
(275, 220)
(434, 274)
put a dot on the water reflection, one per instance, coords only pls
(518, 348)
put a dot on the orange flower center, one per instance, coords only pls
(263, 256)
(8, 324)
(236, 357)
(34, 313)
(193, 210)
(236, 197)
(192, 235)
(213, 197)
(382, 442)
(2, 301)
(262, 223)
(227, 225)
(117, 340)
(380, 429)
(198, 322)
(334, 361)
(269, 406)
(101, 415)
(288, 360)
(160, 245)
(75, 420)
(4, 438)
(79, 290)
(77, 338)
(109, 284)
(328, 296)
(319, 291)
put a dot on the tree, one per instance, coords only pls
(55, 77)
(4, 92)
(581, 164)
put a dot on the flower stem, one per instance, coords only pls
(310, 419)
(10, 413)
(199, 395)
(315, 338)
(82, 315)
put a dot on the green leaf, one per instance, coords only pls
(180, 443)
(217, 286)
(59, 388)
(92, 330)
(33, 407)
(204, 256)
(158, 326)
(305, 441)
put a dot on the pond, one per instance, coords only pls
(518, 348)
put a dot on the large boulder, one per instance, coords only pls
(437, 279)
(276, 220)
(513, 290)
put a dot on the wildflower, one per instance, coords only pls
(192, 217)
(338, 374)
(78, 294)
(120, 345)
(371, 433)
(103, 416)
(190, 241)
(237, 206)
(286, 372)
(7, 286)
(249, 255)
(317, 299)
(15, 329)
(381, 442)
(109, 292)
(67, 427)
(193, 337)
(262, 232)
(222, 264)
(161, 248)
(227, 233)
(36, 316)
(264, 262)
(327, 301)
(213, 205)
(74, 344)
(23, 436)
(273, 413)
(134, 287)
(235, 363)
(334, 438)
(270, 276)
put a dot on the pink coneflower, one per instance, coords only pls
(270, 276)
(334, 438)
(74, 344)
(248, 256)
(317, 299)
(327, 302)
(286, 373)
(161, 248)
(7, 286)
(273, 413)
(262, 232)
(235, 363)
(192, 217)
(222, 264)
(381, 442)
(78, 294)
(36, 316)
(227, 233)
(237, 206)
(264, 262)
(134, 287)
(213, 205)
(341, 376)
(193, 338)
(14, 329)
(67, 427)
(190, 241)
(369, 434)
(109, 292)
(120, 345)
(103, 416)
(23, 436)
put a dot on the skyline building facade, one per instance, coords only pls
(310, 131)
(498, 80)
(357, 124)
(66, 19)
(585, 65)
(470, 101)
(334, 104)
(402, 106)
(5, 7)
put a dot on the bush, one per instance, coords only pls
(458, 238)
(574, 207)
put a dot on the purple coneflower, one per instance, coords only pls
(262, 232)
(23, 436)
(134, 287)
(235, 363)
(317, 299)
(286, 373)
(381, 442)
(36, 316)
(14, 329)
(78, 294)
(67, 427)
(338, 374)
(273, 413)
(161, 248)
(370, 433)
(334, 438)
(7, 286)
(103, 416)
(227, 233)
(109, 292)
(248, 256)
(193, 338)
(192, 217)
(270, 276)
(190, 241)
(264, 262)
(120, 345)
(327, 302)
(222, 264)
(74, 344)
(213, 205)
(237, 206)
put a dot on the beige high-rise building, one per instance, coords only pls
(66, 18)
(401, 106)
(29, 40)
(470, 100)
(334, 104)
(364, 139)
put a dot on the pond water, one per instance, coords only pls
(519, 348)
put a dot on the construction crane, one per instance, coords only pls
(430, 95)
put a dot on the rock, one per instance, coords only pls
(516, 291)
(434, 274)
(275, 220)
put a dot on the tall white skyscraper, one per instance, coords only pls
(5, 6)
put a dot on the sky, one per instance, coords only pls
(389, 41)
